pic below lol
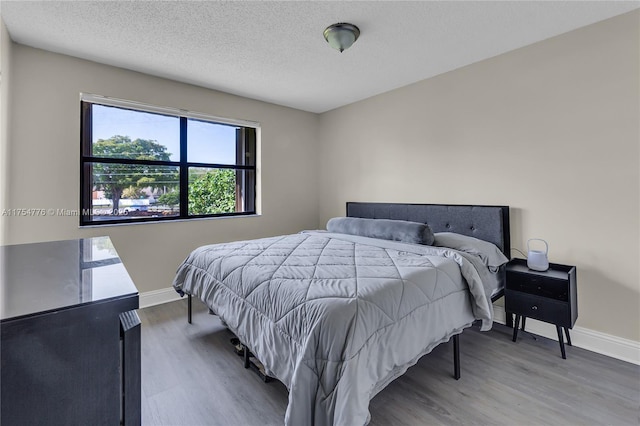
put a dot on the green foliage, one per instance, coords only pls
(115, 178)
(212, 192)
(123, 147)
(169, 199)
(132, 192)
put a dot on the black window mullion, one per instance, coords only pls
(115, 160)
(221, 166)
(86, 137)
(249, 185)
(184, 170)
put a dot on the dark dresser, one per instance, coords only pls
(70, 346)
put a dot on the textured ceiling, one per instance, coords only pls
(275, 51)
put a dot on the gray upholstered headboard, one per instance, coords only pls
(489, 223)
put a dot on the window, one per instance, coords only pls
(141, 163)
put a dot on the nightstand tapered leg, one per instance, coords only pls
(561, 341)
(524, 319)
(515, 328)
(509, 319)
(566, 332)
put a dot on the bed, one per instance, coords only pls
(337, 316)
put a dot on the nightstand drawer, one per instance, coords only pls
(538, 285)
(541, 308)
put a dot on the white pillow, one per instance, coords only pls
(488, 252)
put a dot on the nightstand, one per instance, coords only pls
(549, 296)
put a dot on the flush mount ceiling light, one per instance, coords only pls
(341, 36)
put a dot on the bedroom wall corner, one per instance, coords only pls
(551, 129)
(6, 57)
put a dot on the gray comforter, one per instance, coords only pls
(336, 317)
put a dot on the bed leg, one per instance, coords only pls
(245, 352)
(189, 308)
(456, 357)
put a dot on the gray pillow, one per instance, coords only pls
(386, 229)
(488, 252)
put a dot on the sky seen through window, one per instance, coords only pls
(207, 142)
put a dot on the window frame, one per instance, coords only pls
(245, 145)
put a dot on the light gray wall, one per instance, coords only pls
(45, 156)
(551, 130)
(6, 53)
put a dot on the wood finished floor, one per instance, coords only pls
(192, 377)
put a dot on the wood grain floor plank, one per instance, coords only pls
(192, 377)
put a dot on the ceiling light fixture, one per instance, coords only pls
(341, 36)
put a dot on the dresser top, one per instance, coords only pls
(42, 277)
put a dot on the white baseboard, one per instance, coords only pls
(595, 341)
(157, 297)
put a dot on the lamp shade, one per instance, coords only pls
(341, 36)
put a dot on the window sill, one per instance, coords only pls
(156, 222)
